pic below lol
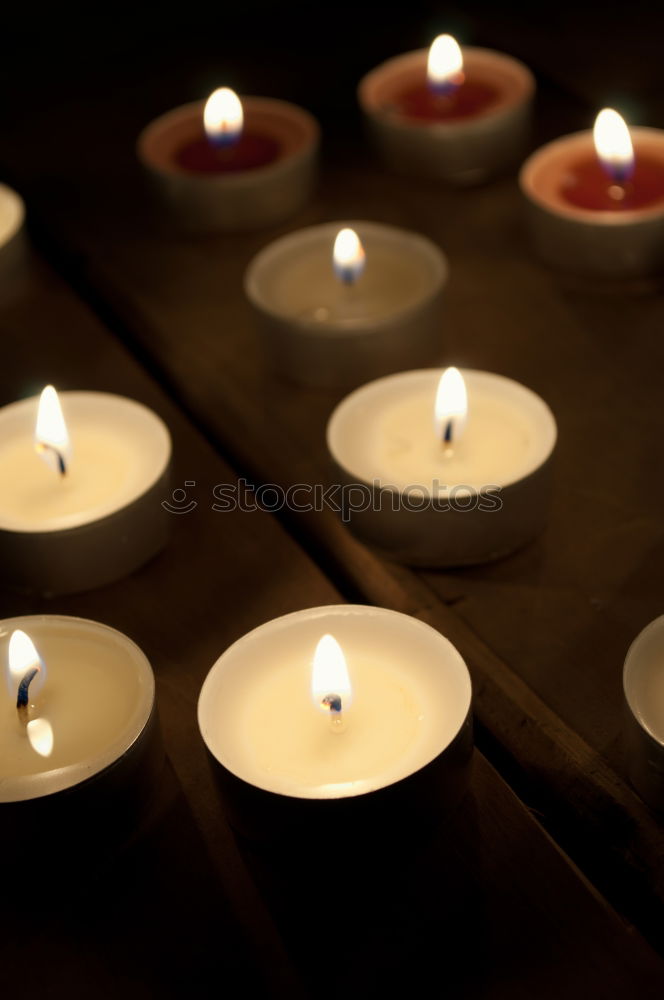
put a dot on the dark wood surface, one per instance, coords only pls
(186, 906)
(501, 909)
(545, 631)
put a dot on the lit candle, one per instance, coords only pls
(338, 304)
(263, 707)
(431, 490)
(458, 115)
(80, 513)
(78, 697)
(596, 199)
(231, 163)
(643, 684)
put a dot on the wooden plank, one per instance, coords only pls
(222, 575)
(545, 631)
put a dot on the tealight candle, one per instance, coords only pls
(444, 468)
(643, 683)
(12, 214)
(78, 733)
(457, 115)
(335, 705)
(596, 200)
(80, 504)
(340, 303)
(231, 163)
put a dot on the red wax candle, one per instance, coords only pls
(473, 97)
(251, 150)
(586, 184)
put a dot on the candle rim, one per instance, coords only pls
(61, 779)
(324, 612)
(152, 135)
(631, 667)
(323, 234)
(556, 205)
(26, 409)
(433, 375)
(511, 66)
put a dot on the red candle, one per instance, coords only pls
(596, 199)
(447, 93)
(229, 164)
(450, 115)
(613, 180)
(224, 145)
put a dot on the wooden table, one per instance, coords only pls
(137, 310)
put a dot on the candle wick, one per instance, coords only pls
(333, 702)
(23, 694)
(59, 457)
(617, 192)
(448, 438)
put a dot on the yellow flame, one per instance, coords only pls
(451, 406)
(40, 734)
(23, 657)
(51, 437)
(348, 256)
(444, 62)
(223, 117)
(613, 143)
(330, 673)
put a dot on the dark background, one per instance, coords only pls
(315, 53)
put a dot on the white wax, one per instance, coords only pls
(294, 276)
(385, 431)
(97, 695)
(12, 212)
(119, 449)
(643, 678)
(411, 695)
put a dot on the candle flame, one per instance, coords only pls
(451, 407)
(40, 734)
(223, 117)
(51, 437)
(444, 64)
(23, 658)
(330, 673)
(613, 144)
(348, 256)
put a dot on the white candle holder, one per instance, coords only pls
(54, 540)
(454, 523)
(608, 244)
(356, 777)
(465, 151)
(92, 791)
(233, 202)
(643, 684)
(318, 332)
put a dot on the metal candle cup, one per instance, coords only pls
(103, 519)
(643, 685)
(624, 243)
(464, 151)
(289, 772)
(244, 200)
(318, 331)
(85, 791)
(409, 502)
